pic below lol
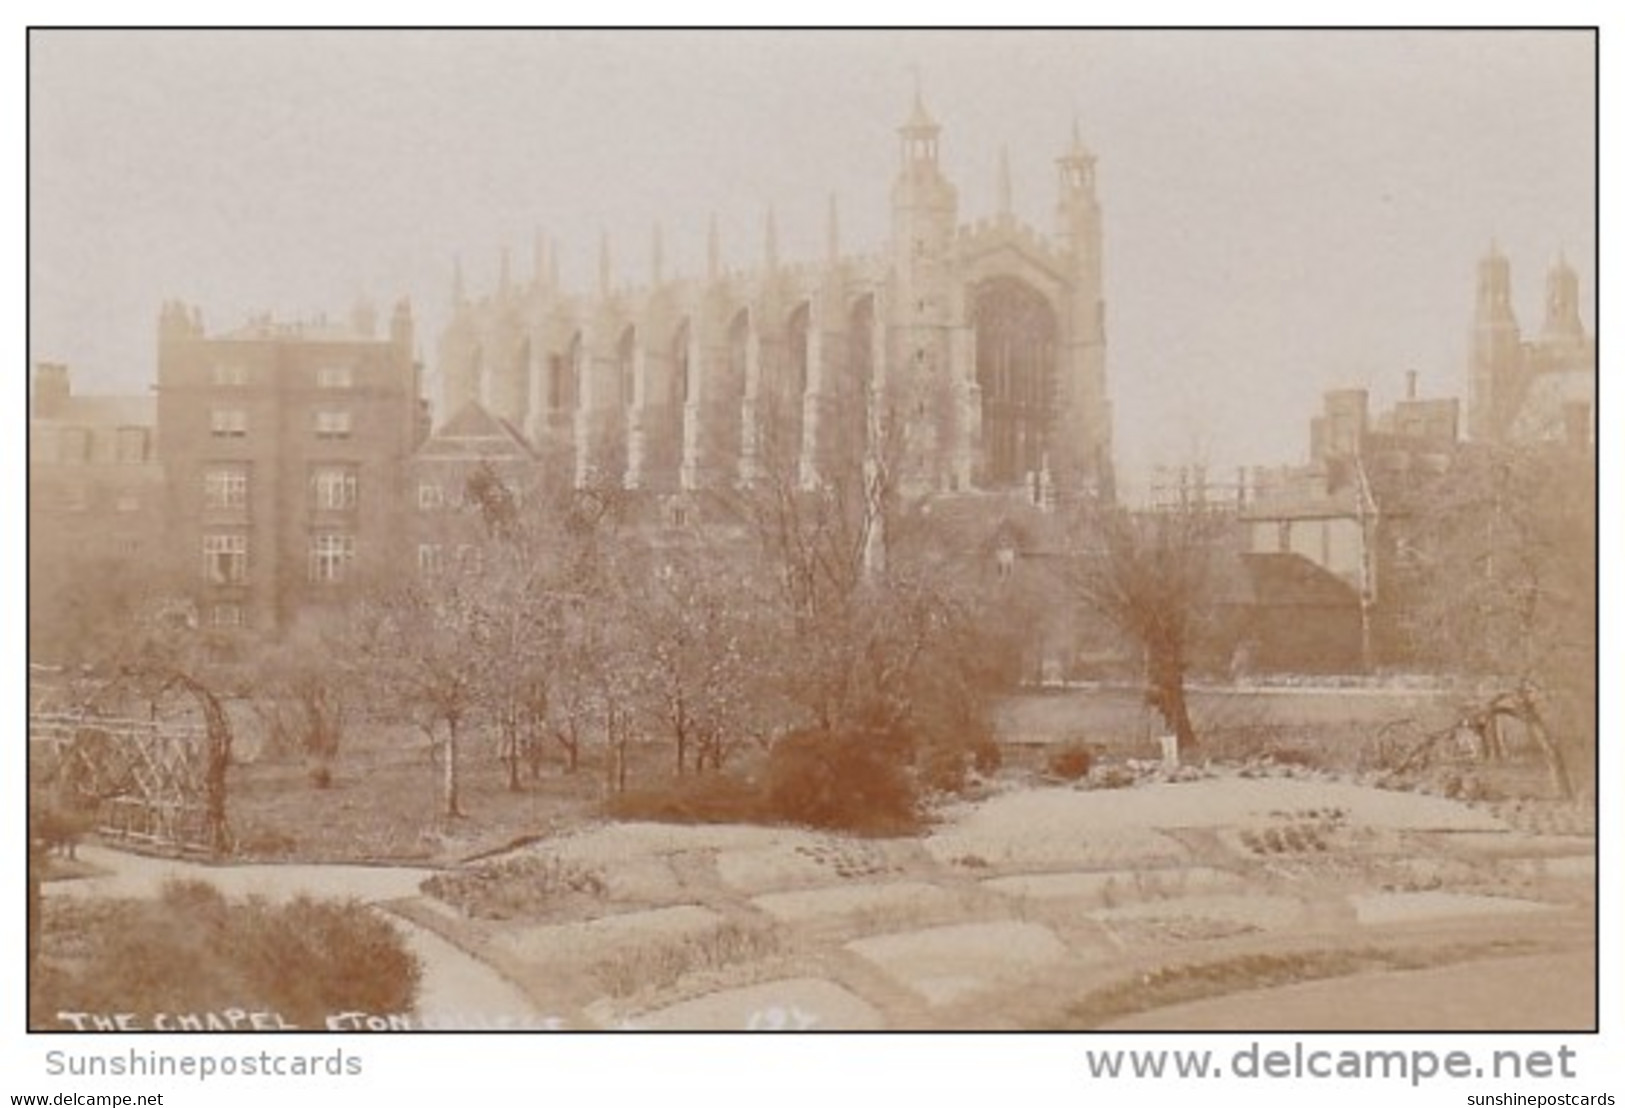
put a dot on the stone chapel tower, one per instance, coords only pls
(920, 393)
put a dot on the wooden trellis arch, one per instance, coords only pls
(160, 784)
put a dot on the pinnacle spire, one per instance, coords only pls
(772, 239)
(603, 263)
(1006, 207)
(919, 132)
(713, 250)
(657, 256)
(459, 295)
(919, 118)
(505, 273)
(832, 231)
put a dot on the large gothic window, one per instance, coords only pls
(565, 387)
(664, 451)
(852, 399)
(626, 366)
(1016, 335)
(521, 398)
(735, 371)
(476, 374)
(679, 367)
(784, 429)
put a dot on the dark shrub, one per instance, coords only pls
(944, 768)
(192, 951)
(1070, 762)
(847, 782)
(57, 827)
(987, 757)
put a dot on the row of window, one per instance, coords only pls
(225, 557)
(333, 488)
(131, 445)
(433, 497)
(236, 375)
(77, 498)
(432, 558)
(232, 423)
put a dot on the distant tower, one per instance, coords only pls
(176, 324)
(400, 325)
(1080, 448)
(51, 389)
(1562, 324)
(1493, 368)
(364, 317)
(924, 218)
(460, 350)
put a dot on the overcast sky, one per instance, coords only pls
(1285, 212)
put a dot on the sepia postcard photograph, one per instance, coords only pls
(753, 530)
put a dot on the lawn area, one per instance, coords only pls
(1332, 725)
(383, 803)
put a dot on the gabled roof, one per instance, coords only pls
(473, 432)
(1281, 580)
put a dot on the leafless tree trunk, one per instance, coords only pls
(451, 807)
(1501, 590)
(1151, 575)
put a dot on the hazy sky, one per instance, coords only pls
(1284, 212)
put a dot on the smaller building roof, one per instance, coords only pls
(264, 328)
(1281, 580)
(475, 433)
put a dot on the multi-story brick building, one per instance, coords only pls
(285, 458)
(1347, 510)
(95, 504)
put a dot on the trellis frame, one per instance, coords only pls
(137, 780)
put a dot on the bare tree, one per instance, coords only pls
(871, 625)
(695, 650)
(1150, 574)
(305, 688)
(423, 642)
(1500, 575)
(558, 646)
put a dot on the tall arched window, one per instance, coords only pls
(788, 392)
(679, 366)
(575, 365)
(626, 366)
(852, 397)
(725, 402)
(1016, 335)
